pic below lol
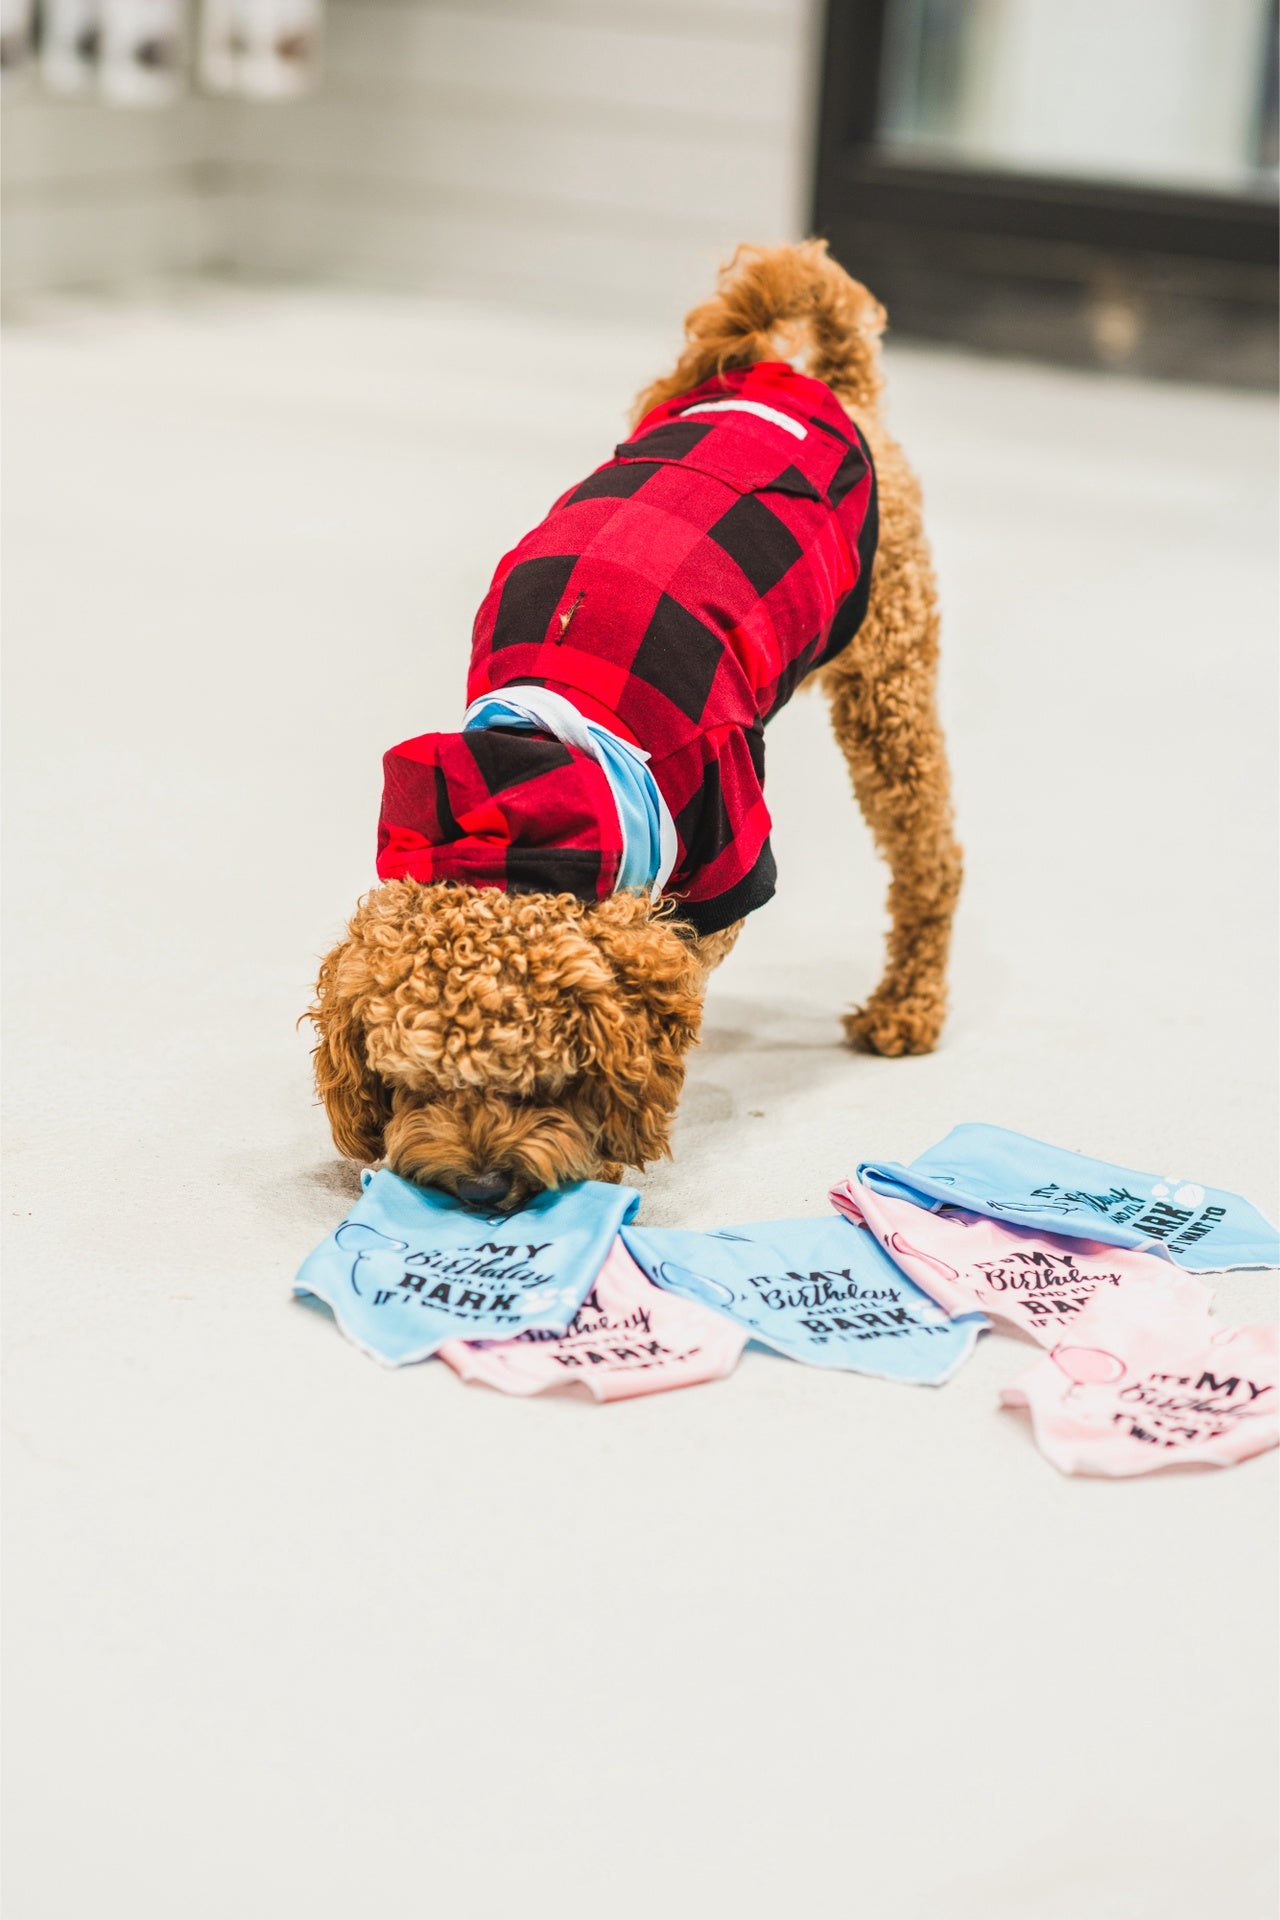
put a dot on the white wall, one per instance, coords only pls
(96, 195)
(545, 150)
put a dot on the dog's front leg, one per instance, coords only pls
(882, 694)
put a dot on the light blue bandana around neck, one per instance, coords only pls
(822, 1291)
(1026, 1183)
(410, 1268)
(649, 843)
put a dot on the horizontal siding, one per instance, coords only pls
(541, 149)
(51, 147)
(735, 19)
(608, 153)
(398, 157)
(148, 228)
(609, 65)
(458, 252)
(95, 196)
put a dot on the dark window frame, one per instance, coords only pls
(945, 244)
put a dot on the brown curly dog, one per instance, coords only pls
(495, 1043)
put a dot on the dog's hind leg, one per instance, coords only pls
(712, 948)
(881, 689)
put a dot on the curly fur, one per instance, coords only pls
(463, 1030)
(783, 303)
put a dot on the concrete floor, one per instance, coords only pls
(292, 1635)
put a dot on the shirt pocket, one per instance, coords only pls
(741, 459)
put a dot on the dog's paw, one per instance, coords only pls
(894, 1027)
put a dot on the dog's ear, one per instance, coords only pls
(356, 1100)
(636, 1030)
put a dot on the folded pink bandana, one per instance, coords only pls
(628, 1338)
(1127, 1392)
(1040, 1282)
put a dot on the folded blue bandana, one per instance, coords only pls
(823, 1291)
(410, 1268)
(1028, 1184)
(644, 819)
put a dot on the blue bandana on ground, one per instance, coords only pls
(821, 1291)
(410, 1268)
(1025, 1183)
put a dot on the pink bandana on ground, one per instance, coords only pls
(1138, 1374)
(628, 1338)
(1039, 1282)
(1128, 1393)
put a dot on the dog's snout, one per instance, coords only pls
(486, 1189)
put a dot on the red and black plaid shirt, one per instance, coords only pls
(678, 596)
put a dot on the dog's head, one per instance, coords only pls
(498, 1044)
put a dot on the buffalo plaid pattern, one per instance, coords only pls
(677, 596)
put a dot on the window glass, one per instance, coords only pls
(1173, 93)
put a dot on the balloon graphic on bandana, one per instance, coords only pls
(1088, 1366)
(696, 1286)
(370, 1246)
(897, 1244)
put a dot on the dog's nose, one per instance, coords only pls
(486, 1190)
